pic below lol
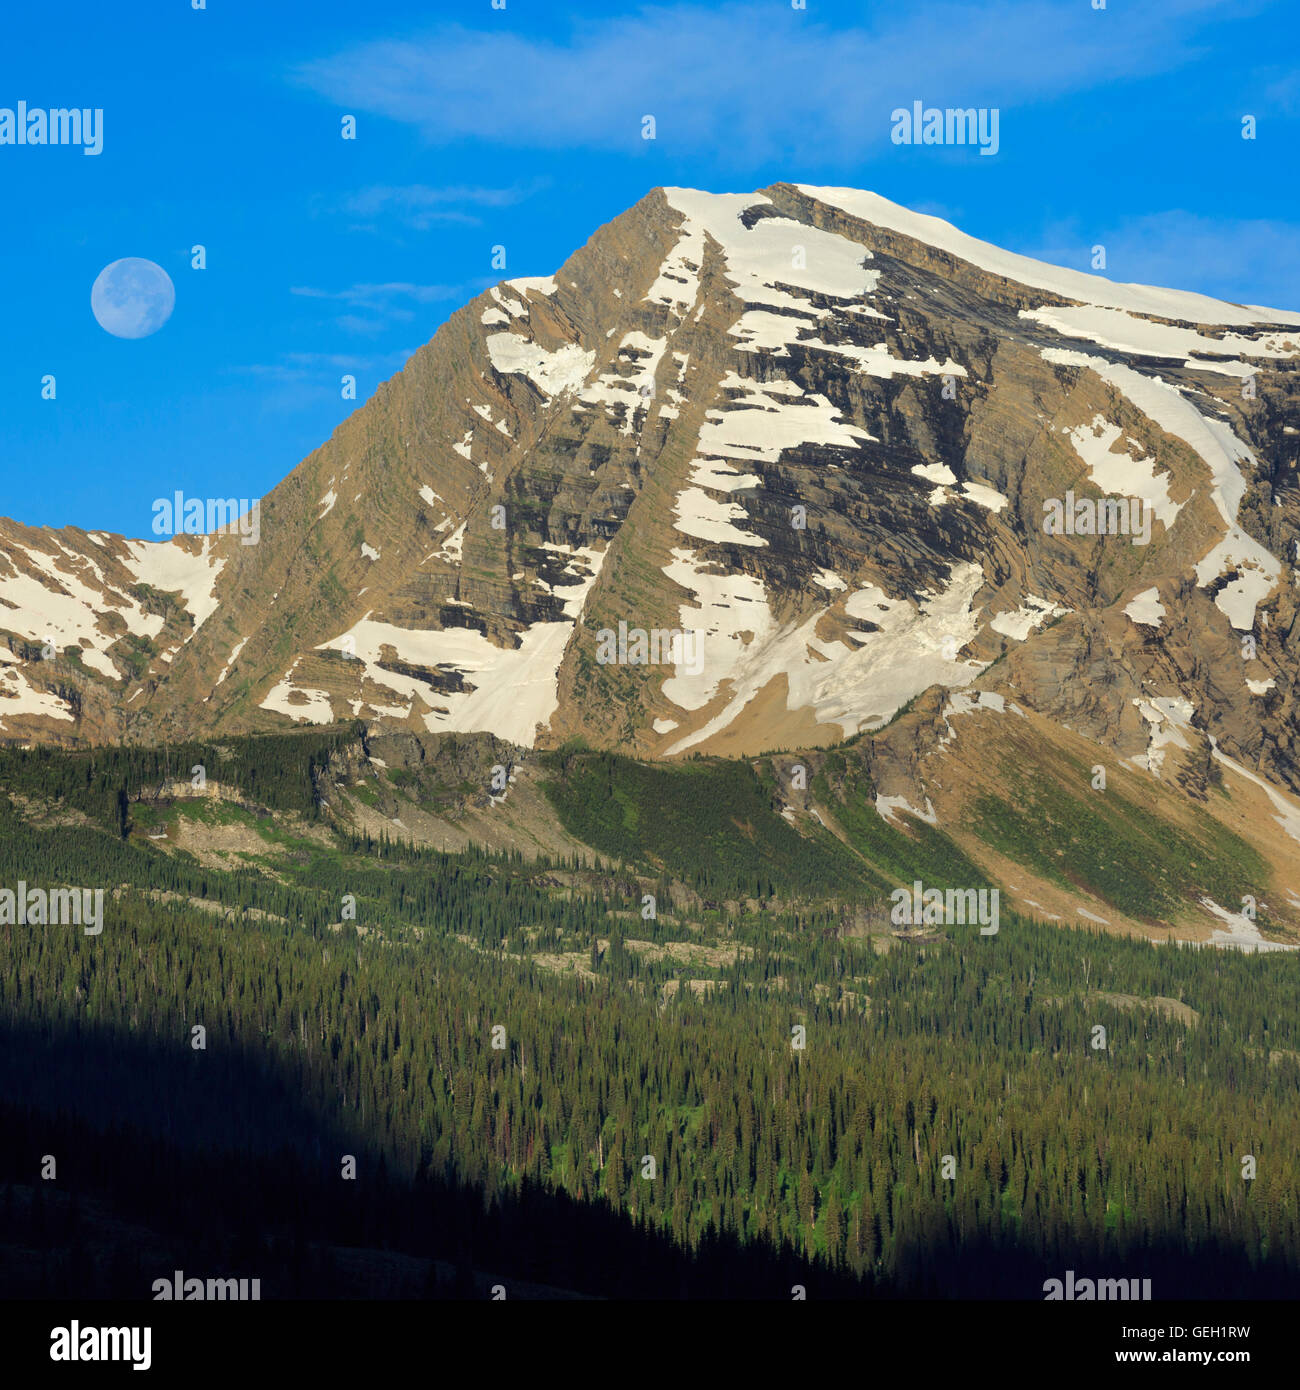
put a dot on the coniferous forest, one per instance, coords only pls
(353, 1067)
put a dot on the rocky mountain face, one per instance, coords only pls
(752, 472)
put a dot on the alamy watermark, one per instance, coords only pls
(949, 125)
(957, 907)
(77, 1343)
(60, 125)
(635, 646)
(206, 516)
(1098, 516)
(178, 1288)
(1072, 1290)
(57, 907)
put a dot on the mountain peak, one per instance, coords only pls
(749, 471)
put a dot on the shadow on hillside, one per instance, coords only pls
(167, 1162)
(207, 1163)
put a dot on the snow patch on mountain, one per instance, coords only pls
(541, 284)
(1289, 817)
(67, 601)
(1258, 570)
(707, 519)
(1146, 608)
(58, 605)
(1069, 284)
(879, 361)
(171, 569)
(1122, 332)
(234, 656)
(857, 686)
(624, 390)
(1242, 932)
(977, 702)
(451, 547)
(552, 372)
(984, 495)
(766, 263)
(314, 709)
(1020, 622)
(887, 808)
(1168, 716)
(943, 477)
(510, 690)
(18, 696)
(721, 477)
(1120, 473)
(759, 424)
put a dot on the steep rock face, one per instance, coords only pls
(811, 433)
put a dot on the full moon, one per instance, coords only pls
(132, 298)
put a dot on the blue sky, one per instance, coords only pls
(522, 127)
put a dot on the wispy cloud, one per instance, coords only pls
(309, 382)
(378, 306)
(1247, 261)
(421, 206)
(747, 82)
(375, 296)
(319, 373)
(1282, 95)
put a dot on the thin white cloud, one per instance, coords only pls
(381, 296)
(372, 328)
(321, 368)
(307, 381)
(1246, 261)
(1282, 95)
(420, 206)
(419, 197)
(374, 308)
(750, 82)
